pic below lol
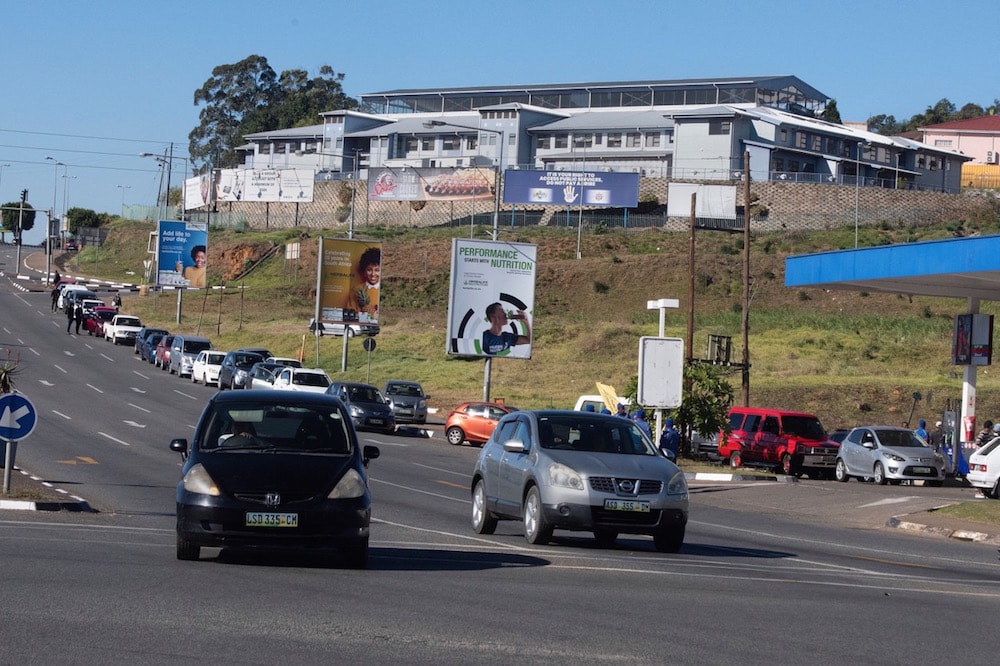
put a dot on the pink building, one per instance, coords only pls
(979, 138)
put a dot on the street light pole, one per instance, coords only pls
(52, 215)
(2, 167)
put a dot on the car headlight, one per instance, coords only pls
(240, 375)
(198, 480)
(421, 404)
(677, 485)
(351, 485)
(356, 411)
(566, 477)
(893, 457)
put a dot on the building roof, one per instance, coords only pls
(609, 120)
(981, 124)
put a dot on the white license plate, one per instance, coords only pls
(921, 470)
(376, 421)
(626, 505)
(259, 519)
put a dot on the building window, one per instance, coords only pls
(310, 148)
(778, 164)
(472, 143)
(561, 141)
(614, 139)
(427, 144)
(280, 148)
(265, 149)
(583, 140)
(783, 136)
(409, 144)
(637, 98)
(652, 139)
(702, 97)
(451, 143)
(671, 97)
(719, 126)
(598, 139)
(543, 142)
(633, 140)
(942, 143)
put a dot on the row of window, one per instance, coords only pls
(591, 139)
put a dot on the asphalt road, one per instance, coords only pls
(769, 573)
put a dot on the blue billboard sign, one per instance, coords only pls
(182, 250)
(571, 188)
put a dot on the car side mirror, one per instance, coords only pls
(369, 453)
(514, 446)
(669, 455)
(868, 444)
(180, 445)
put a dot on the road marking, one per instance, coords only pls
(140, 374)
(62, 415)
(890, 500)
(186, 395)
(34, 351)
(59, 369)
(68, 352)
(84, 459)
(107, 357)
(134, 424)
(113, 439)
(137, 390)
(95, 388)
(45, 382)
(142, 409)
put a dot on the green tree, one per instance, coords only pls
(883, 124)
(85, 217)
(831, 114)
(248, 97)
(707, 399)
(11, 214)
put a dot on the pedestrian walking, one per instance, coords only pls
(69, 319)
(55, 297)
(78, 316)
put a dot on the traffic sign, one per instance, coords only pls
(369, 344)
(17, 417)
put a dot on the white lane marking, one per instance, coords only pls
(422, 492)
(137, 390)
(59, 369)
(62, 415)
(113, 439)
(95, 388)
(34, 351)
(443, 471)
(889, 500)
(141, 409)
(45, 382)
(68, 353)
(103, 355)
(186, 395)
(140, 374)
(134, 424)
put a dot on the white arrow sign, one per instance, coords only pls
(134, 424)
(10, 418)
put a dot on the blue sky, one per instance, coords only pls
(94, 83)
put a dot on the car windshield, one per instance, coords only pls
(404, 389)
(310, 379)
(267, 426)
(128, 321)
(807, 427)
(899, 438)
(246, 360)
(595, 435)
(364, 394)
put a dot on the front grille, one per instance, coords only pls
(286, 498)
(912, 471)
(612, 486)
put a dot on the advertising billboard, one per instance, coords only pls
(491, 298)
(257, 185)
(972, 342)
(349, 281)
(571, 188)
(431, 184)
(181, 253)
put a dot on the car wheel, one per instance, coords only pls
(995, 492)
(788, 466)
(187, 550)
(669, 539)
(194, 380)
(880, 474)
(735, 459)
(482, 521)
(455, 436)
(840, 472)
(356, 556)
(348, 331)
(605, 538)
(536, 529)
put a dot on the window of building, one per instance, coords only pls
(817, 144)
(706, 96)
(614, 139)
(598, 138)
(633, 140)
(778, 164)
(561, 141)
(472, 143)
(383, 142)
(673, 97)
(737, 95)
(637, 98)
(427, 144)
(793, 165)
(943, 143)
(280, 148)
(652, 139)
(451, 142)
(339, 144)
(584, 140)
(605, 99)
(801, 138)
(310, 148)
(719, 126)
(543, 142)
(265, 149)
(408, 144)
(783, 136)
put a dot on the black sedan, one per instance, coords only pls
(274, 468)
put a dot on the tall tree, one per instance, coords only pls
(233, 92)
(831, 114)
(12, 213)
(248, 97)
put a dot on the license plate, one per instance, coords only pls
(375, 421)
(626, 505)
(259, 519)
(921, 470)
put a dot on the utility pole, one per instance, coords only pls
(746, 279)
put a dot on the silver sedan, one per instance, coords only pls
(888, 454)
(578, 471)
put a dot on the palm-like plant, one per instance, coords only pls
(8, 372)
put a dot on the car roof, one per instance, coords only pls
(274, 397)
(403, 382)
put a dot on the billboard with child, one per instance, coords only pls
(349, 281)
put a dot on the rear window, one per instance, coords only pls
(310, 379)
(195, 346)
(129, 321)
(269, 426)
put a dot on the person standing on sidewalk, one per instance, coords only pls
(69, 319)
(55, 297)
(78, 316)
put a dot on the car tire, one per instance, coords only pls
(995, 492)
(355, 556)
(455, 436)
(789, 467)
(187, 550)
(482, 521)
(879, 474)
(735, 459)
(537, 530)
(605, 538)
(840, 471)
(194, 380)
(669, 539)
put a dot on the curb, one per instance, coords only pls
(898, 522)
(716, 476)
(76, 504)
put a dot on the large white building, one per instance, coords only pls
(692, 129)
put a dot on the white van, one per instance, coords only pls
(597, 402)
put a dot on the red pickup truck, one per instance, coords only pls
(793, 442)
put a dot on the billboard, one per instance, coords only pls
(431, 184)
(491, 298)
(181, 253)
(717, 202)
(571, 188)
(972, 341)
(349, 281)
(256, 185)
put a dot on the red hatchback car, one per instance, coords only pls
(474, 422)
(94, 322)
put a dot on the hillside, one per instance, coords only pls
(849, 357)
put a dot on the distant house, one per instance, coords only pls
(977, 138)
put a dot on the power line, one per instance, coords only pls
(84, 136)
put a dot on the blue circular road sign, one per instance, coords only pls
(17, 417)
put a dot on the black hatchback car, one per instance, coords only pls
(274, 469)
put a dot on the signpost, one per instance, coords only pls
(17, 421)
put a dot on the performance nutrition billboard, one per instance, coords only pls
(491, 298)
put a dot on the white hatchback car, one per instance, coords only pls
(206, 366)
(984, 468)
(312, 380)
